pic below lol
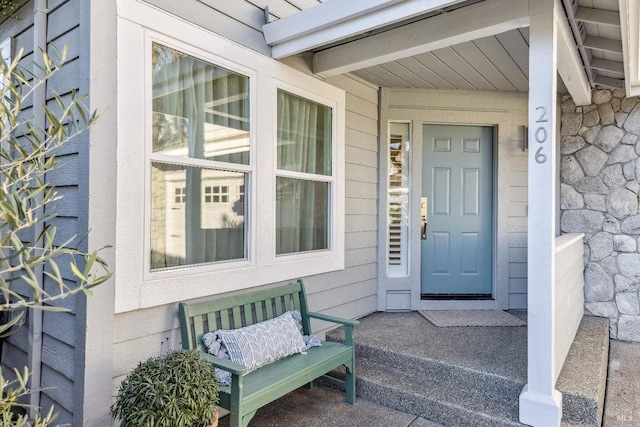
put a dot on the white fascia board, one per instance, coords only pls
(630, 26)
(465, 24)
(337, 20)
(569, 63)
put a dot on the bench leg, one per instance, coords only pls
(247, 418)
(309, 385)
(350, 383)
(234, 419)
(236, 410)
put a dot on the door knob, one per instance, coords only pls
(423, 218)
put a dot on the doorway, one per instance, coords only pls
(456, 210)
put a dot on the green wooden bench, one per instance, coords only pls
(249, 392)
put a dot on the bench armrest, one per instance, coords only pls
(226, 365)
(348, 325)
(333, 319)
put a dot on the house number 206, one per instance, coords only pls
(541, 135)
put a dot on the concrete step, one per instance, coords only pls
(444, 373)
(449, 392)
(450, 406)
(583, 379)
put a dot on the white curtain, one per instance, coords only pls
(189, 94)
(304, 145)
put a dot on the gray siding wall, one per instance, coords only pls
(15, 349)
(58, 365)
(348, 293)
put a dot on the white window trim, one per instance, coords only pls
(151, 37)
(331, 179)
(136, 286)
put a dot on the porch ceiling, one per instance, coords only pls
(495, 61)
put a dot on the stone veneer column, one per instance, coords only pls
(600, 174)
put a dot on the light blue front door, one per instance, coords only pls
(457, 200)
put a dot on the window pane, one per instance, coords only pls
(304, 135)
(398, 201)
(194, 231)
(302, 219)
(200, 110)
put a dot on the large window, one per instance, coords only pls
(230, 165)
(200, 149)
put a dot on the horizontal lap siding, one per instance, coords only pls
(59, 329)
(15, 348)
(357, 294)
(517, 225)
(347, 293)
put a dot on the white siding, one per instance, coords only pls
(517, 220)
(347, 293)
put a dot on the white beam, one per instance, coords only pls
(598, 16)
(540, 403)
(630, 25)
(483, 19)
(338, 20)
(318, 17)
(570, 65)
(604, 45)
(606, 65)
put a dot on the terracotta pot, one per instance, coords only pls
(214, 421)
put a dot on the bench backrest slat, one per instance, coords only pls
(240, 310)
(259, 307)
(270, 312)
(248, 310)
(237, 318)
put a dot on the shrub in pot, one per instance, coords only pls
(178, 389)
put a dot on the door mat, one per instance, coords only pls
(447, 318)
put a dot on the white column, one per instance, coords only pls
(540, 403)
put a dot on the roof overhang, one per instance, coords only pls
(333, 21)
(481, 19)
(630, 23)
(347, 36)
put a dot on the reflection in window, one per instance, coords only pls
(218, 194)
(180, 193)
(200, 112)
(189, 233)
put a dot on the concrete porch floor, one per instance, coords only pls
(500, 350)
